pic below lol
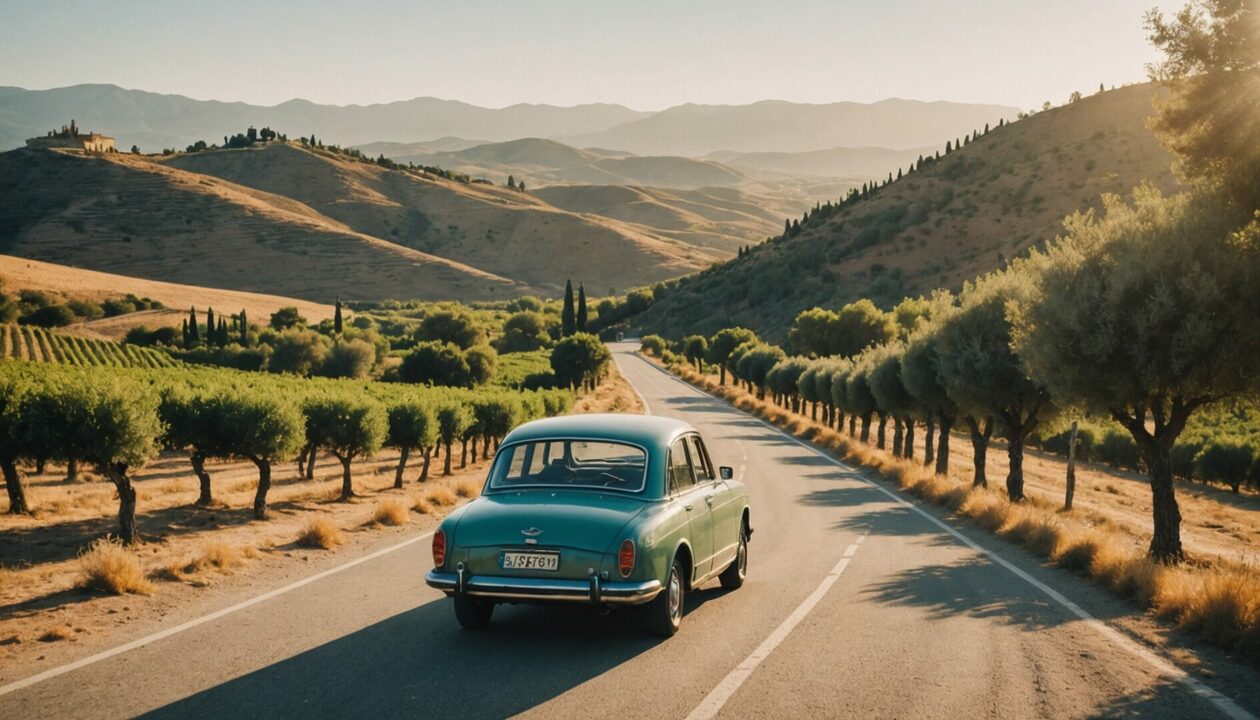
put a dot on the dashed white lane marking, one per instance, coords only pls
(713, 702)
(1225, 705)
(91, 659)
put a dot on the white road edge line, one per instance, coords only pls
(716, 699)
(92, 659)
(1225, 705)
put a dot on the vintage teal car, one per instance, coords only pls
(610, 510)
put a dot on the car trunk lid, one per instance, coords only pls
(587, 520)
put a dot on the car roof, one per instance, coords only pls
(645, 430)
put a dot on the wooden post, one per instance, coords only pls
(1071, 469)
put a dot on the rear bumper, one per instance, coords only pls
(519, 589)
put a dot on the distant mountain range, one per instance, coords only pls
(154, 121)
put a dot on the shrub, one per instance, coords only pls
(436, 363)
(390, 512)
(483, 362)
(106, 565)
(320, 533)
(1225, 461)
(1118, 450)
(49, 316)
(451, 326)
(349, 359)
(652, 345)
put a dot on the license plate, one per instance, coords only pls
(531, 561)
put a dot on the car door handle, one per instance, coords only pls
(708, 499)
(688, 508)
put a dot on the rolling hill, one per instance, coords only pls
(130, 215)
(776, 126)
(958, 217)
(542, 162)
(154, 120)
(846, 162)
(723, 218)
(507, 233)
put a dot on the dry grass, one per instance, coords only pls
(57, 634)
(216, 555)
(441, 497)
(106, 565)
(320, 533)
(1219, 601)
(467, 489)
(421, 505)
(390, 512)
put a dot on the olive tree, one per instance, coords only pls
(786, 383)
(193, 425)
(262, 429)
(349, 358)
(579, 360)
(453, 419)
(412, 427)
(860, 398)
(113, 424)
(984, 375)
(13, 391)
(1137, 315)
(860, 325)
(436, 363)
(722, 344)
(756, 364)
(921, 374)
(695, 348)
(892, 397)
(451, 326)
(348, 427)
(523, 331)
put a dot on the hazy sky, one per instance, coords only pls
(646, 54)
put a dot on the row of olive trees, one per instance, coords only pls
(1143, 313)
(118, 423)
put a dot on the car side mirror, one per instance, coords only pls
(726, 472)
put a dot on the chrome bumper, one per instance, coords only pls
(594, 590)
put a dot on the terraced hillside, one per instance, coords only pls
(25, 342)
(958, 217)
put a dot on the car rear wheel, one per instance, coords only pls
(664, 613)
(473, 613)
(732, 578)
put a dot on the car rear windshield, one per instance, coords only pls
(571, 463)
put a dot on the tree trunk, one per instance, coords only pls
(880, 437)
(721, 375)
(72, 470)
(117, 474)
(1071, 469)
(929, 440)
(463, 454)
(301, 461)
(898, 436)
(1015, 475)
(1166, 539)
(980, 448)
(813, 411)
(198, 461)
(347, 482)
(310, 462)
(17, 493)
(942, 447)
(264, 484)
(866, 427)
(403, 454)
(474, 448)
(446, 469)
(485, 447)
(908, 445)
(428, 457)
(39, 465)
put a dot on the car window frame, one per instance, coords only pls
(669, 468)
(703, 451)
(643, 488)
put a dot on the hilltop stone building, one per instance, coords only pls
(70, 137)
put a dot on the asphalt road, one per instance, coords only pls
(858, 604)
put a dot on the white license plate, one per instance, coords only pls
(531, 561)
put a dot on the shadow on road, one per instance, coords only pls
(420, 663)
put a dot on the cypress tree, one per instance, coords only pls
(211, 328)
(898, 173)
(787, 226)
(183, 330)
(581, 309)
(986, 128)
(244, 329)
(193, 335)
(568, 319)
(511, 183)
(337, 317)
(949, 148)
(221, 339)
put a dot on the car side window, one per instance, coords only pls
(680, 477)
(700, 460)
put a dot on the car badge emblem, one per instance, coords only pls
(531, 532)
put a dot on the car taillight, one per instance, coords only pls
(625, 558)
(439, 549)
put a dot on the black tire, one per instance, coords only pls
(732, 578)
(664, 613)
(473, 613)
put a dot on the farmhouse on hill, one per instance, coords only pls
(70, 137)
